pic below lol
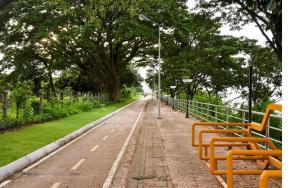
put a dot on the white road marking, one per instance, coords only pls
(117, 161)
(105, 138)
(5, 183)
(94, 148)
(77, 164)
(61, 148)
(113, 130)
(55, 185)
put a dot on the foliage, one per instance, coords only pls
(28, 112)
(217, 63)
(266, 15)
(20, 95)
(98, 39)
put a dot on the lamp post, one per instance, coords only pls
(250, 94)
(143, 17)
(172, 93)
(187, 82)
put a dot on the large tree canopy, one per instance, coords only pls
(99, 37)
(265, 14)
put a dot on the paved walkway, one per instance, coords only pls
(163, 156)
(160, 155)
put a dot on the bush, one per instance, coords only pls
(85, 106)
(55, 112)
(35, 106)
(28, 112)
(6, 124)
(20, 95)
(72, 110)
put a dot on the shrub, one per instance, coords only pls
(55, 112)
(6, 124)
(85, 106)
(20, 95)
(35, 106)
(28, 112)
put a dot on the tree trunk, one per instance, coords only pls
(51, 83)
(115, 89)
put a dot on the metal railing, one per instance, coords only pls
(220, 113)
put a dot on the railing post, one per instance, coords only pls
(243, 117)
(227, 113)
(216, 113)
(207, 114)
(267, 134)
(5, 103)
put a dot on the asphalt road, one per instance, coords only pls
(89, 161)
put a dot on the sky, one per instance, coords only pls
(249, 31)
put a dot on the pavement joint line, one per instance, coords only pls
(219, 178)
(55, 185)
(113, 169)
(4, 183)
(104, 138)
(66, 145)
(94, 148)
(77, 164)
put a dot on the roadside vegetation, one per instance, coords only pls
(17, 143)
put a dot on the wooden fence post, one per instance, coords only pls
(62, 99)
(52, 99)
(5, 103)
(41, 103)
(71, 93)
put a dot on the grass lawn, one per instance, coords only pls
(15, 144)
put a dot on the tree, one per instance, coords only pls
(266, 15)
(100, 38)
(20, 95)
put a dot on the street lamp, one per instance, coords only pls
(144, 18)
(187, 82)
(250, 93)
(172, 92)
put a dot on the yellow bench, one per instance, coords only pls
(255, 152)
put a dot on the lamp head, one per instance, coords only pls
(172, 87)
(142, 17)
(187, 80)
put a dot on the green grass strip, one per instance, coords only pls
(15, 144)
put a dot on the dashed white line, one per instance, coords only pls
(55, 185)
(105, 138)
(113, 169)
(94, 148)
(5, 183)
(56, 151)
(77, 164)
(113, 130)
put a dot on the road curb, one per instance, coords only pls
(33, 157)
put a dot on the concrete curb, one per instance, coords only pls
(31, 158)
